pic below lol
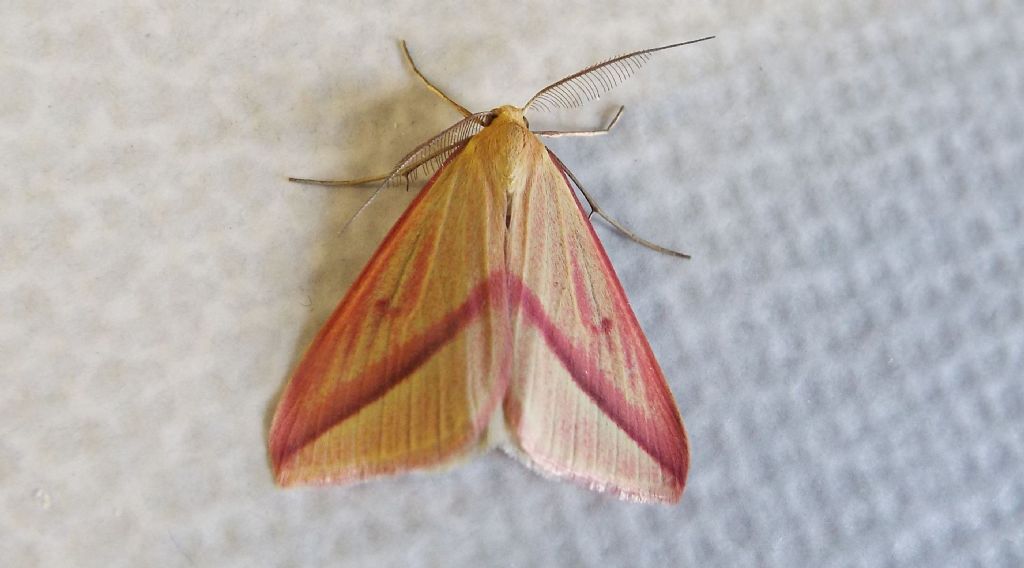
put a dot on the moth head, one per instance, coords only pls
(511, 114)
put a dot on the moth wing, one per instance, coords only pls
(409, 367)
(587, 399)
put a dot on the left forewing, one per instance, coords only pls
(407, 371)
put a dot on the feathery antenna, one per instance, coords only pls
(590, 83)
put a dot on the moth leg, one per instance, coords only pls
(341, 182)
(598, 132)
(433, 89)
(595, 208)
(405, 172)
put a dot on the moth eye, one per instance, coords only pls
(526, 121)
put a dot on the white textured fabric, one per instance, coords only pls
(847, 345)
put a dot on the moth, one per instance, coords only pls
(489, 316)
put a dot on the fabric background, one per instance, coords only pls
(846, 346)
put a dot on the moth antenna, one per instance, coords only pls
(430, 154)
(590, 83)
(408, 57)
(595, 208)
(437, 149)
(411, 171)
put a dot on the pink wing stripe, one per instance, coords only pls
(400, 363)
(403, 360)
(596, 385)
